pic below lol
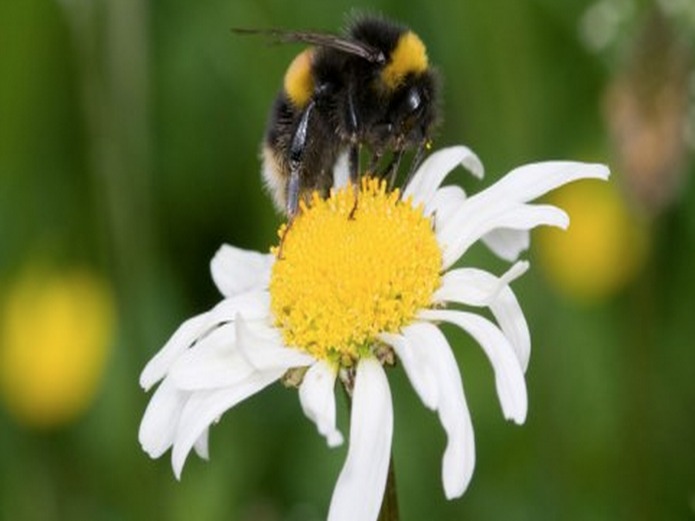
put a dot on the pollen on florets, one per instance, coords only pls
(349, 273)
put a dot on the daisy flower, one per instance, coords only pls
(350, 292)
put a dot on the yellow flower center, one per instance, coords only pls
(342, 279)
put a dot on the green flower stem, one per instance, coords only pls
(389, 506)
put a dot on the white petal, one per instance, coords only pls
(161, 362)
(474, 287)
(527, 216)
(317, 396)
(341, 171)
(254, 305)
(236, 271)
(421, 375)
(458, 461)
(509, 377)
(502, 205)
(213, 362)
(360, 487)
(436, 167)
(528, 182)
(201, 445)
(506, 243)
(204, 408)
(161, 419)
(264, 352)
(511, 319)
(445, 202)
(481, 214)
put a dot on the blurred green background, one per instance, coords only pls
(129, 136)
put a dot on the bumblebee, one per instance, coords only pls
(372, 87)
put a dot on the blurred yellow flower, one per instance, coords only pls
(55, 333)
(604, 247)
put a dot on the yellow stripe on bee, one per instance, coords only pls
(409, 57)
(299, 82)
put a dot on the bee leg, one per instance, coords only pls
(292, 194)
(352, 123)
(374, 162)
(417, 159)
(391, 170)
(296, 156)
(354, 165)
(292, 206)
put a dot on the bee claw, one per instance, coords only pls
(356, 191)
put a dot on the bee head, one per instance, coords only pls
(411, 88)
(411, 112)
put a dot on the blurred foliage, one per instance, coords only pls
(129, 135)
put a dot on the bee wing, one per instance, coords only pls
(354, 47)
